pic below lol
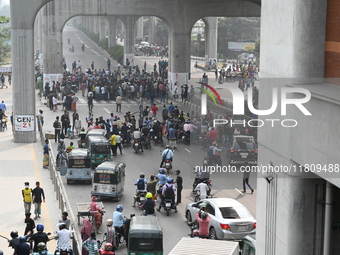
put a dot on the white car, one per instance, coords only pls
(229, 219)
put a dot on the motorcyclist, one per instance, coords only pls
(14, 241)
(162, 176)
(124, 131)
(203, 189)
(110, 234)
(141, 187)
(119, 220)
(82, 136)
(136, 136)
(39, 237)
(167, 154)
(61, 148)
(64, 235)
(23, 248)
(168, 192)
(149, 205)
(213, 151)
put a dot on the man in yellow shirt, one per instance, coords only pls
(27, 197)
(113, 142)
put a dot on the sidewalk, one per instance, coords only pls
(23, 163)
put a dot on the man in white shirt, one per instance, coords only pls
(63, 235)
(203, 189)
(137, 134)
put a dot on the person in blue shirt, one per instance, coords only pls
(171, 108)
(119, 220)
(141, 187)
(167, 154)
(161, 177)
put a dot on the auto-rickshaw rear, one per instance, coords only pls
(145, 236)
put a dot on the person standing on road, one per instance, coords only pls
(246, 175)
(3, 81)
(75, 116)
(179, 182)
(119, 143)
(40, 118)
(55, 103)
(113, 142)
(119, 100)
(38, 197)
(65, 121)
(92, 65)
(27, 197)
(90, 101)
(203, 188)
(3, 106)
(91, 244)
(57, 129)
(46, 151)
(154, 110)
(109, 64)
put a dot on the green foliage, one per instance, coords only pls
(162, 31)
(239, 29)
(5, 35)
(104, 43)
(117, 53)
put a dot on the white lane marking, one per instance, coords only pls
(128, 106)
(187, 150)
(239, 191)
(103, 102)
(95, 52)
(82, 100)
(107, 110)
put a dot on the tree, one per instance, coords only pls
(162, 31)
(5, 35)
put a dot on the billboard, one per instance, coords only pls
(241, 46)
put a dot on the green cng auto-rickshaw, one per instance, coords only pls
(108, 180)
(79, 166)
(99, 149)
(145, 236)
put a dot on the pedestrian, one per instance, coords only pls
(3, 106)
(154, 110)
(46, 151)
(38, 198)
(109, 64)
(91, 244)
(65, 121)
(9, 78)
(27, 197)
(119, 143)
(113, 142)
(246, 175)
(179, 182)
(30, 225)
(65, 220)
(3, 81)
(119, 100)
(151, 187)
(40, 118)
(85, 232)
(92, 65)
(75, 116)
(77, 125)
(57, 129)
(165, 113)
(90, 101)
(55, 103)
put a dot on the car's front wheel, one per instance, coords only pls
(212, 233)
(188, 216)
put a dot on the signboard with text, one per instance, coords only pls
(241, 46)
(24, 123)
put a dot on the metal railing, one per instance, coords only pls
(64, 204)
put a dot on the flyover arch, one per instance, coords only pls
(23, 14)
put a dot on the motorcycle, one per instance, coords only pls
(197, 181)
(155, 139)
(168, 166)
(63, 251)
(167, 206)
(81, 143)
(147, 143)
(137, 146)
(119, 236)
(140, 197)
(195, 232)
(209, 161)
(186, 138)
(82, 47)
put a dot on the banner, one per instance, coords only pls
(241, 46)
(53, 77)
(24, 123)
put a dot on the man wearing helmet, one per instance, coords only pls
(14, 241)
(110, 234)
(61, 148)
(168, 192)
(167, 154)
(39, 237)
(23, 248)
(64, 235)
(141, 187)
(149, 205)
(119, 220)
(161, 176)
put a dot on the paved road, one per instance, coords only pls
(186, 157)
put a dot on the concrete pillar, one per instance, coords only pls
(53, 60)
(95, 25)
(152, 25)
(211, 27)
(102, 28)
(23, 81)
(112, 21)
(140, 28)
(179, 55)
(129, 38)
(40, 31)
(91, 23)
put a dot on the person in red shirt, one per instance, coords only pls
(203, 220)
(154, 110)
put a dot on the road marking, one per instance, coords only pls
(106, 110)
(187, 150)
(102, 101)
(95, 52)
(82, 100)
(128, 106)
(239, 191)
